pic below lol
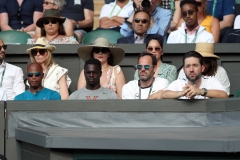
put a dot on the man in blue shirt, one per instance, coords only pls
(36, 90)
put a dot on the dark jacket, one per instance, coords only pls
(130, 39)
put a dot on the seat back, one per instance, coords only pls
(237, 93)
(111, 35)
(14, 37)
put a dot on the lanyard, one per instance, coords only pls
(149, 90)
(214, 7)
(195, 36)
(3, 75)
(114, 9)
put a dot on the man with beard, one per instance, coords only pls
(147, 84)
(36, 90)
(195, 86)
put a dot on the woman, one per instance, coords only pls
(209, 22)
(109, 56)
(167, 71)
(55, 77)
(52, 28)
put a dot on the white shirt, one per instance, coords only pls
(3, 95)
(12, 80)
(210, 83)
(237, 22)
(131, 89)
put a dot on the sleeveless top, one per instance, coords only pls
(111, 78)
(207, 23)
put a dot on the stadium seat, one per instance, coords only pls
(75, 36)
(14, 37)
(237, 93)
(110, 35)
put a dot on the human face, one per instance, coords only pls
(146, 74)
(48, 4)
(189, 15)
(51, 26)
(35, 76)
(2, 51)
(40, 57)
(92, 75)
(155, 48)
(200, 5)
(138, 24)
(193, 69)
(102, 54)
(206, 63)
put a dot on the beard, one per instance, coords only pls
(197, 77)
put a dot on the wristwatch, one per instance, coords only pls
(77, 25)
(204, 91)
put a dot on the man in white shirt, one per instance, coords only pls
(146, 85)
(195, 86)
(11, 77)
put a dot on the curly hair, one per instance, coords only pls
(212, 70)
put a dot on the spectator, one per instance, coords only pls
(52, 28)
(93, 89)
(164, 70)
(147, 83)
(58, 5)
(113, 15)
(3, 95)
(140, 24)
(11, 76)
(237, 22)
(109, 56)
(80, 12)
(195, 86)
(204, 19)
(108, 1)
(36, 91)
(55, 77)
(20, 15)
(160, 19)
(211, 68)
(190, 31)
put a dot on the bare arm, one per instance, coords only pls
(88, 21)
(227, 21)
(4, 22)
(32, 27)
(120, 81)
(81, 80)
(107, 23)
(37, 33)
(171, 94)
(156, 95)
(215, 29)
(176, 15)
(118, 19)
(69, 28)
(180, 23)
(63, 87)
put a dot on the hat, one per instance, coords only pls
(42, 43)
(84, 52)
(50, 13)
(206, 49)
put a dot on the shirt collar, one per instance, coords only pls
(136, 36)
(115, 3)
(3, 64)
(192, 31)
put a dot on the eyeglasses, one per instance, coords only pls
(199, 4)
(53, 21)
(189, 12)
(47, 3)
(103, 50)
(37, 74)
(4, 47)
(40, 51)
(137, 20)
(150, 49)
(147, 67)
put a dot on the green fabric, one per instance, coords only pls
(14, 37)
(237, 93)
(237, 1)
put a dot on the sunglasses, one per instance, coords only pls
(189, 12)
(147, 67)
(40, 51)
(53, 21)
(4, 47)
(150, 49)
(199, 4)
(137, 20)
(102, 50)
(47, 3)
(37, 74)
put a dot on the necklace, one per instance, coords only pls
(54, 38)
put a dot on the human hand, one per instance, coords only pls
(156, 95)
(191, 90)
(138, 4)
(173, 26)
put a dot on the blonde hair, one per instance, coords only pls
(48, 62)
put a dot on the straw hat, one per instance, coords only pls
(206, 49)
(50, 13)
(42, 43)
(85, 52)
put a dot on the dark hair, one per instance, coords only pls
(154, 59)
(212, 70)
(110, 58)
(61, 30)
(160, 41)
(138, 11)
(93, 61)
(183, 2)
(193, 54)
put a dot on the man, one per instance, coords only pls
(11, 77)
(20, 15)
(160, 19)
(147, 84)
(190, 31)
(36, 90)
(113, 15)
(93, 90)
(140, 24)
(80, 12)
(195, 86)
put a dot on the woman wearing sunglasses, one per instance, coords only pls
(109, 56)
(204, 19)
(52, 28)
(167, 71)
(55, 77)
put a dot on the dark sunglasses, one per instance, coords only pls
(4, 47)
(37, 74)
(189, 12)
(199, 4)
(47, 3)
(102, 50)
(147, 67)
(40, 51)
(150, 49)
(53, 21)
(137, 20)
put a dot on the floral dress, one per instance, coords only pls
(112, 79)
(66, 40)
